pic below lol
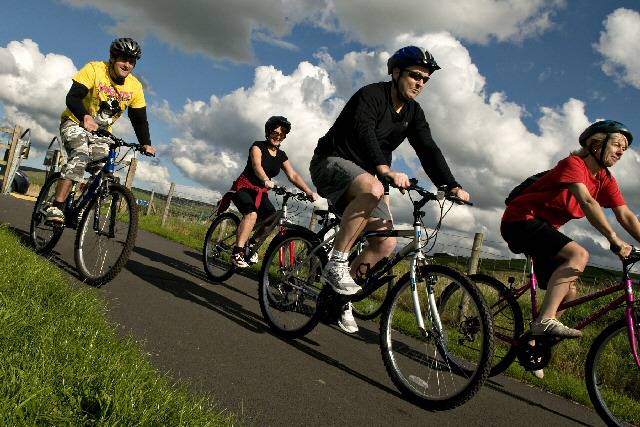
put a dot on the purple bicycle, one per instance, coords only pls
(612, 368)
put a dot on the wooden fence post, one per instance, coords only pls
(166, 206)
(12, 157)
(133, 164)
(313, 221)
(478, 239)
(153, 193)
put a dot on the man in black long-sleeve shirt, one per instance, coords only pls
(99, 94)
(357, 150)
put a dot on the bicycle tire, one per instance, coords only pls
(289, 304)
(507, 318)
(120, 196)
(51, 234)
(619, 375)
(446, 370)
(222, 252)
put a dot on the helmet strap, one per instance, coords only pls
(117, 80)
(396, 86)
(600, 160)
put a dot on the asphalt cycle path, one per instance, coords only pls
(212, 335)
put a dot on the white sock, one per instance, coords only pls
(339, 256)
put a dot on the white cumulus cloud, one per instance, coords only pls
(619, 45)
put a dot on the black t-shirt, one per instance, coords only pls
(271, 164)
(368, 129)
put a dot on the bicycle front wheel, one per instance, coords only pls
(45, 236)
(437, 357)
(290, 283)
(217, 252)
(106, 235)
(508, 325)
(613, 377)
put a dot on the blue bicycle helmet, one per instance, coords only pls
(605, 126)
(412, 55)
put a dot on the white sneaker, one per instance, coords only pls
(346, 322)
(238, 260)
(254, 258)
(539, 373)
(336, 274)
(53, 214)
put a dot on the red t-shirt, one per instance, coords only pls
(550, 200)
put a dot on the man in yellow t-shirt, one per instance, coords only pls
(100, 93)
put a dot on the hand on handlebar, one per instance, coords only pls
(398, 179)
(148, 150)
(89, 123)
(269, 184)
(312, 197)
(620, 247)
(460, 194)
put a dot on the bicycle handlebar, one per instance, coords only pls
(443, 192)
(118, 142)
(282, 191)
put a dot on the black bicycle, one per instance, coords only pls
(104, 215)
(424, 348)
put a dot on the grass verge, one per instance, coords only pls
(62, 363)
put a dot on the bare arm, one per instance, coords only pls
(296, 179)
(628, 220)
(256, 162)
(595, 215)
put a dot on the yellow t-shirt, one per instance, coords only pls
(106, 100)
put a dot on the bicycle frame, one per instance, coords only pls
(628, 298)
(73, 208)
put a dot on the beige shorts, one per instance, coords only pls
(82, 147)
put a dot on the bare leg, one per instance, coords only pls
(245, 228)
(363, 196)
(378, 247)
(562, 281)
(63, 187)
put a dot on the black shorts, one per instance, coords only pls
(245, 201)
(539, 240)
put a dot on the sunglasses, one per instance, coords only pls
(278, 135)
(418, 76)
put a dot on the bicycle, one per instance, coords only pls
(105, 217)
(418, 342)
(221, 236)
(612, 368)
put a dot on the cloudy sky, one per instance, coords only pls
(520, 80)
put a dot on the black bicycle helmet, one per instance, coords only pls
(412, 55)
(605, 126)
(274, 122)
(125, 47)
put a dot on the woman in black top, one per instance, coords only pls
(266, 159)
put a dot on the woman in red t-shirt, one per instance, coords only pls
(580, 185)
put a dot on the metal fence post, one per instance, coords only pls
(166, 206)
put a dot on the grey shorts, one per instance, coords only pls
(81, 147)
(332, 177)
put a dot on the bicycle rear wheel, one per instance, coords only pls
(45, 236)
(290, 283)
(508, 325)
(217, 252)
(106, 235)
(612, 376)
(446, 363)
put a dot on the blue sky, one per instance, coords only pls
(520, 80)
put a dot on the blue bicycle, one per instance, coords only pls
(103, 212)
